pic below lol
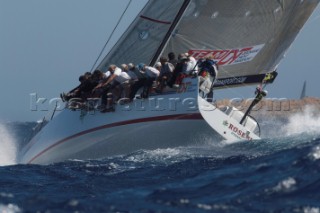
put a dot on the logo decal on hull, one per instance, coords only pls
(225, 123)
(239, 133)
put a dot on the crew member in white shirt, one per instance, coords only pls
(152, 74)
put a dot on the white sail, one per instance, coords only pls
(144, 36)
(247, 38)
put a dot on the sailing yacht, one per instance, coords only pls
(246, 38)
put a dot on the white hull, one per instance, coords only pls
(75, 135)
(104, 142)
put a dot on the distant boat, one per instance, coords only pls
(304, 89)
(247, 39)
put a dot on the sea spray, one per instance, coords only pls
(306, 122)
(8, 148)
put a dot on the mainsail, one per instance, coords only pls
(248, 38)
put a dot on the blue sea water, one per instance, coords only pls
(280, 173)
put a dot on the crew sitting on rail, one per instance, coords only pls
(188, 66)
(128, 69)
(88, 82)
(151, 75)
(140, 81)
(172, 59)
(158, 66)
(191, 65)
(166, 71)
(182, 59)
(99, 78)
(109, 88)
(126, 80)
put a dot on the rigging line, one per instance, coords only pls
(105, 45)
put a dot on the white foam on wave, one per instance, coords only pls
(180, 154)
(286, 185)
(8, 147)
(315, 154)
(156, 155)
(311, 210)
(306, 122)
(10, 208)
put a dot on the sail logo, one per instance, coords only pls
(230, 56)
(230, 81)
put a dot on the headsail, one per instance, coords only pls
(247, 38)
(145, 35)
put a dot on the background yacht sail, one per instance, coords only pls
(247, 38)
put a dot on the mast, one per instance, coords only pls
(171, 29)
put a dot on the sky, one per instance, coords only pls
(46, 44)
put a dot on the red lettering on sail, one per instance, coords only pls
(230, 56)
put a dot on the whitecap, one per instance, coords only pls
(315, 154)
(10, 208)
(6, 195)
(286, 185)
(8, 148)
(311, 210)
(159, 155)
(306, 122)
(205, 207)
(73, 203)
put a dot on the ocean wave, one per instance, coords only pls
(286, 185)
(10, 208)
(306, 122)
(8, 150)
(272, 174)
